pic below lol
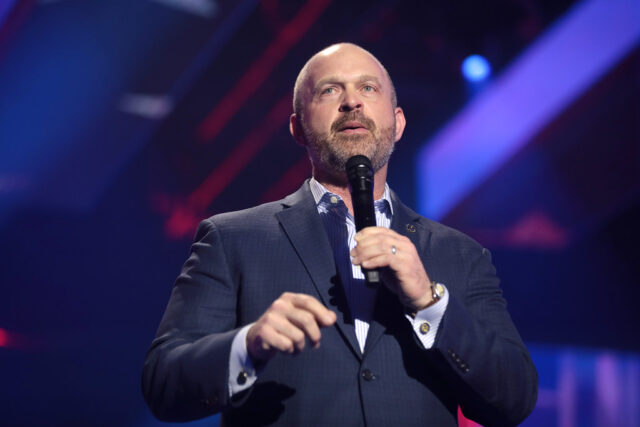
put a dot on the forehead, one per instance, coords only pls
(344, 63)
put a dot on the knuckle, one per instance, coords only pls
(268, 318)
(279, 305)
(287, 295)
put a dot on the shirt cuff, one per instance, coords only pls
(242, 373)
(427, 321)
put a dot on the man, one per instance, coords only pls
(271, 323)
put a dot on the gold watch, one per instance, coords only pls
(437, 292)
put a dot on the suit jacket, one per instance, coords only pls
(241, 262)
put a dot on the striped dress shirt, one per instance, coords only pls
(341, 230)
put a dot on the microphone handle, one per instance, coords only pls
(364, 216)
(371, 277)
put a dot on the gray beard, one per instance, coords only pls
(330, 153)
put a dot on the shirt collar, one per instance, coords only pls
(318, 191)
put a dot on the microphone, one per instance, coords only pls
(360, 177)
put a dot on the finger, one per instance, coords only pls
(378, 261)
(379, 246)
(379, 235)
(306, 322)
(322, 314)
(267, 340)
(285, 328)
(373, 247)
(374, 231)
(371, 230)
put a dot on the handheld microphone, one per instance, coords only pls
(360, 177)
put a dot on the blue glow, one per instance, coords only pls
(585, 387)
(476, 68)
(560, 66)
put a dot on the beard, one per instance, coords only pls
(329, 151)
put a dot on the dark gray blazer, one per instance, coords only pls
(241, 262)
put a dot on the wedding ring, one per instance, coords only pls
(393, 250)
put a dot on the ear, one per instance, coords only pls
(295, 128)
(401, 122)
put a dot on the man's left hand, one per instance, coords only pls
(410, 281)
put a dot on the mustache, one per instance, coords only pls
(353, 116)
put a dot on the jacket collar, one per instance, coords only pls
(304, 228)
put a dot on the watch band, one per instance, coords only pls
(437, 292)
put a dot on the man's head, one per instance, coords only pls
(345, 104)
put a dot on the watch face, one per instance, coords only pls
(439, 290)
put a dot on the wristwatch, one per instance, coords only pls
(437, 292)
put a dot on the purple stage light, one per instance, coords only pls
(553, 72)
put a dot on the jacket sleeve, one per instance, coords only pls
(185, 374)
(481, 353)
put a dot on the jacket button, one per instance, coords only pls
(242, 378)
(368, 375)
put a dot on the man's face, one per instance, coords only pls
(347, 110)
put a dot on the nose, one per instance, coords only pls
(350, 101)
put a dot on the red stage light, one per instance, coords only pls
(4, 338)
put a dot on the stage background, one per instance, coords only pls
(123, 123)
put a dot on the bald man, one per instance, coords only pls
(270, 321)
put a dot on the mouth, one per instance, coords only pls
(353, 127)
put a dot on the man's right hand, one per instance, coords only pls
(286, 325)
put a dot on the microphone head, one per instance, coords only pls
(359, 174)
(357, 162)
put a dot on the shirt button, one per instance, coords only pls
(424, 328)
(368, 375)
(334, 199)
(242, 378)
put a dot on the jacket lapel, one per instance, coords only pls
(388, 308)
(305, 230)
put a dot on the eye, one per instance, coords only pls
(368, 88)
(328, 90)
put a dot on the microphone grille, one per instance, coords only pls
(358, 161)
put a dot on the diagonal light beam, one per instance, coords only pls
(260, 70)
(560, 66)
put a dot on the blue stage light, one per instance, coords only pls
(476, 68)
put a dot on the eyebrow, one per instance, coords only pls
(333, 79)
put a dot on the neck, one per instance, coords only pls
(340, 186)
